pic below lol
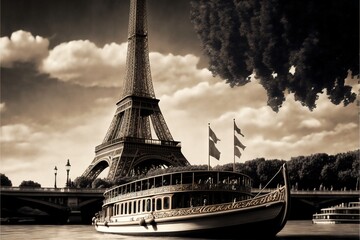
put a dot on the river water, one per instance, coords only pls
(294, 230)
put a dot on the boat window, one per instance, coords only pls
(166, 180)
(176, 178)
(148, 205)
(153, 204)
(158, 181)
(166, 202)
(143, 205)
(139, 206)
(130, 204)
(152, 182)
(187, 178)
(134, 207)
(122, 209)
(125, 208)
(158, 204)
(138, 186)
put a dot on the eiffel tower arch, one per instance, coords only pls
(128, 147)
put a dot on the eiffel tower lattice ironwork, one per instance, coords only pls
(128, 147)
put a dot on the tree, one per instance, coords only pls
(225, 167)
(5, 181)
(101, 183)
(250, 167)
(329, 176)
(344, 161)
(294, 166)
(82, 182)
(266, 170)
(30, 184)
(318, 40)
(346, 180)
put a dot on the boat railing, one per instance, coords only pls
(177, 188)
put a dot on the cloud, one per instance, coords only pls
(310, 123)
(15, 133)
(190, 98)
(22, 46)
(31, 152)
(171, 72)
(2, 107)
(84, 63)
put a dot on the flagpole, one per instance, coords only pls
(234, 147)
(209, 147)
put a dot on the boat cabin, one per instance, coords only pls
(174, 191)
(343, 213)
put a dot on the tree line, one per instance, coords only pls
(317, 171)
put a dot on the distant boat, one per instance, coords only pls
(212, 204)
(344, 213)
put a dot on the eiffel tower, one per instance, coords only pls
(128, 148)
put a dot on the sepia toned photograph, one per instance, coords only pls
(179, 119)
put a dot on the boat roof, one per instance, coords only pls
(210, 172)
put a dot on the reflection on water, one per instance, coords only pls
(294, 230)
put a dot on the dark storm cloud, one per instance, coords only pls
(170, 28)
(101, 21)
(319, 38)
(32, 98)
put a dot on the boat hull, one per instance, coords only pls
(264, 215)
(229, 223)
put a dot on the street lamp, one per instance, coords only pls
(67, 167)
(55, 172)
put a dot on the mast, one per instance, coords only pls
(209, 147)
(234, 147)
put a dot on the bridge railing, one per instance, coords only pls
(61, 190)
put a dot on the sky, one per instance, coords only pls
(62, 67)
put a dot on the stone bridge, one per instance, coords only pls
(49, 205)
(73, 205)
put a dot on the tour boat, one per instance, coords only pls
(343, 213)
(212, 204)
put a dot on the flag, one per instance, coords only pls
(213, 151)
(238, 143)
(238, 130)
(213, 136)
(237, 152)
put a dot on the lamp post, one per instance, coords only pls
(55, 172)
(67, 167)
